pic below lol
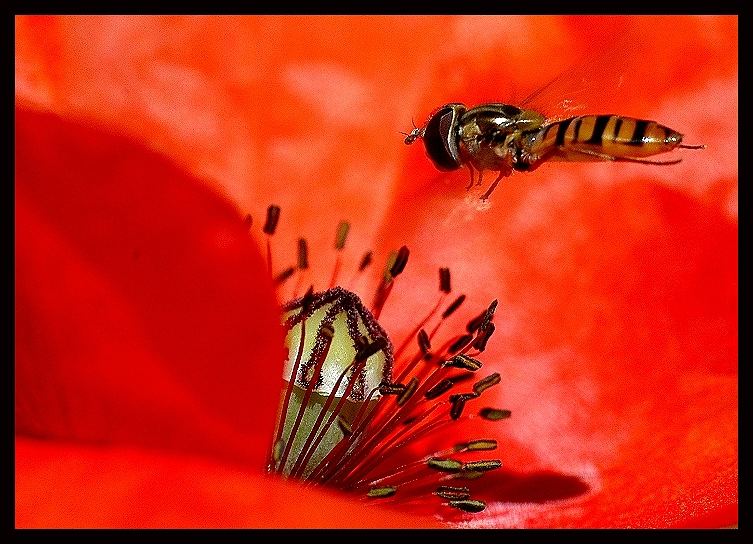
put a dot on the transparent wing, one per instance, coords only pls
(592, 84)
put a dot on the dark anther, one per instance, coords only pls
(273, 216)
(458, 403)
(366, 351)
(460, 447)
(365, 261)
(460, 343)
(423, 341)
(469, 505)
(485, 383)
(442, 387)
(303, 254)
(381, 492)
(454, 306)
(481, 445)
(248, 221)
(342, 234)
(391, 388)
(494, 414)
(474, 324)
(457, 407)
(444, 280)
(409, 390)
(400, 261)
(488, 314)
(483, 337)
(482, 466)
(473, 475)
(308, 298)
(465, 362)
(444, 465)
(285, 275)
(457, 494)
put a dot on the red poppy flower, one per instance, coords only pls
(148, 345)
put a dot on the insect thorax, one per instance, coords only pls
(490, 134)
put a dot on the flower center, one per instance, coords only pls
(338, 355)
(362, 416)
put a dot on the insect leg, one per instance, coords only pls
(493, 186)
(470, 184)
(480, 177)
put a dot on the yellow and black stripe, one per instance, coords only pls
(611, 135)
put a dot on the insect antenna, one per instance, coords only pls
(413, 135)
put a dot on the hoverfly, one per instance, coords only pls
(504, 138)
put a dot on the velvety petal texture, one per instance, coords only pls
(143, 310)
(76, 485)
(148, 346)
(617, 284)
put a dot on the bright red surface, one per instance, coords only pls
(148, 353)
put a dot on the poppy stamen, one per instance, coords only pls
(302, 264)
(392, 445)
(453, 493)
(445, 465)
(270, 226)
(326, 334)
(485, 383)
(468, 505)
(355, 367)
(451, 309)
(463, 361)
(494, 414)
(482, 466)
(341, 236)
(442, 387)
(458, 403)
(392, 388)
(444, 288)
(344, 419)
(483, 336)
(395, 265)
(424, 343)
(285, 275)
(408, 392)
(365, 261)
(460, 343)
(381, 492)
(286, 402)
(482, 444)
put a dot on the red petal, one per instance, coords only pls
(205, 93)
(265, 109)
(143, 310)
(617, 325)
(63, 485)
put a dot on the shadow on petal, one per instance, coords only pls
(537, 487)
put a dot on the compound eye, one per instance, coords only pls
(511, 111)
(440, 138)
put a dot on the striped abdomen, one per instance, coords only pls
(589, 137)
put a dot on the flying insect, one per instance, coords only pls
(505, 138)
